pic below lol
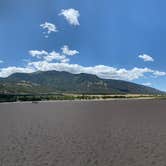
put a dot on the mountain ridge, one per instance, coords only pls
(65, 82)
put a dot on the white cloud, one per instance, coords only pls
(54, 56)
(49, 27)
(106, 72)
(102, 71)
(146, 58)
(60, 62)
(147, 84)
(38, 54)
(48, 56)
(66, 60)
(5, 72)
(66, 51)
(159, 73)
(71, 15)
(1, 61)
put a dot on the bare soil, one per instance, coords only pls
(89, 133)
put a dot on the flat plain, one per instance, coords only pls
(83, 133)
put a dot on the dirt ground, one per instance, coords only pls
(83, 133)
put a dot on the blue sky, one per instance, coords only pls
(110, 38)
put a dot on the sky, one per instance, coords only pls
(113, 39)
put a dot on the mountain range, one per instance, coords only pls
(63, 82)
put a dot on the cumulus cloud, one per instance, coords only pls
(56, 61)
(66, 51)
(159, 73)
(54, 56)
(147, 84)
(49, 27)
(5, 72)
(38, 54)
(71, 15)
(66, 60)
(48, 56)
(102, 71)
(106, 72)
(146, 58)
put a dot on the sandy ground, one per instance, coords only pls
(76, 133)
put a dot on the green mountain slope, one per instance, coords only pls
(64, 82)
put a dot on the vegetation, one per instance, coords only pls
(53, 82)
(54, 85)
(47, 97)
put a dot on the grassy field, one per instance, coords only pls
(47, 97)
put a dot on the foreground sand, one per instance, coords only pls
(91, 133)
